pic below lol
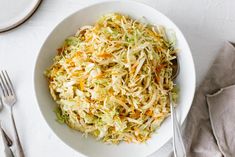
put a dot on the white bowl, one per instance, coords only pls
(89, 146)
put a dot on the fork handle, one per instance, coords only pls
(178, 144)
(18, 150)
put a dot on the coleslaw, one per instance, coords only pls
(112, 79)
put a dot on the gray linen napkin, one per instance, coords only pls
(222, 115)
(210, 127)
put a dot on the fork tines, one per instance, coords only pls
(6, 84)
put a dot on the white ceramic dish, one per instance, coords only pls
(16, 12)
(90, 147)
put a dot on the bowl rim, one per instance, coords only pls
(182, 119)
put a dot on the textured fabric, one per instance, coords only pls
(201, 139)
(222, 116)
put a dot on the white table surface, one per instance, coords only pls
(206, 24)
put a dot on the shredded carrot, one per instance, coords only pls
(157, 79)
(136, 114)
(78, 54)
(100, 76)
(105, 55)
(149, 112)
(134, 67)
(81, 82)
(159, 68)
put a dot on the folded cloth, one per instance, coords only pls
(209, 130)
(222, 115)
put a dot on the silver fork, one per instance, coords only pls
(178, 143)
(7, 143)
(9, 98)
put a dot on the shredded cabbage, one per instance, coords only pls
(112, 79)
